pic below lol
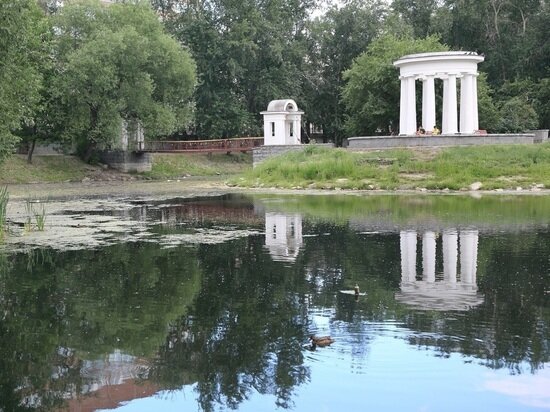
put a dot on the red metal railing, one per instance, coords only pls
(241, 144)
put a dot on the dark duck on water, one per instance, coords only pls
(320, 340)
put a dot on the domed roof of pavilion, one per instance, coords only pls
(283, 105)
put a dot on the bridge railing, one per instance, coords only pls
(241, 144)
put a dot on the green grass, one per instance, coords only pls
(15, 169)
(171, 166)
(50, 169)
(496, 167)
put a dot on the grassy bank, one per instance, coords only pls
(171, 166)
(496, 167)
(58, 169)
(44, 169)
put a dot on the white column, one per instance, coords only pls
(403, 106)
(468, 256)
(467, 104)
(450, 255)
(297, 132)
(428, 103)
(408, 256)
(474, 100)
(411, 106)
(449, 125)
(428, 257)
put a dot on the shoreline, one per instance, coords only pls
(210, 186)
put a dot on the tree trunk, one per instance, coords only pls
(31, 151)
(90, 149)
(92, 143)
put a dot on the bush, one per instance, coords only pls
(517, 115)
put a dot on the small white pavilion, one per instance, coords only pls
(282, 123)
(447, 66)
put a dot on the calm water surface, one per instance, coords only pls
(208, 303)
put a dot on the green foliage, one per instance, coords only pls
(489, 116)
(247, 54)
(511, 34)
(541, 105)
(119, 65)
(335, 39)
(372, 89)
(523, 105)
(20, 49)
(517, 115)
(418, 14)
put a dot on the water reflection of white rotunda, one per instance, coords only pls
(456, 290)
(283, 236)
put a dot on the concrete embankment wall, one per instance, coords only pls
(382, 142)
(134, 162)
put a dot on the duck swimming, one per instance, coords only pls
(320, 340)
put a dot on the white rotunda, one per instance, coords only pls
(447, 66)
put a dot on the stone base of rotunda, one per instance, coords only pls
(381, 142)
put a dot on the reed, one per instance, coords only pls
(4, 198)
(39, 215)
(30, 212)
(40, 218)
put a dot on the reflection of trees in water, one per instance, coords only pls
(244, 332)
(63, 309)
(238, 320)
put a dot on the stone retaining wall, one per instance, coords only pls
(135, 162)
(382, 142)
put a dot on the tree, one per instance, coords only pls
(247, 54)
(371, 93)
(118, 65)
(489, 118)
(510, 33)
(20, 49)
(517, 115)
(335, 39)
(417, 13)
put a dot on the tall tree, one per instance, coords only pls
(335, 39)
(247, 53)
(418, 14)
(119, 65)
(20, 50)
(511, 33)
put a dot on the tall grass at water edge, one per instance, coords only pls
(503, 166)
(4, 198)
(39, 215)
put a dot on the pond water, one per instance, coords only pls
(207, 304)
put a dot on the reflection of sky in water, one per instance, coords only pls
(394, 376)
